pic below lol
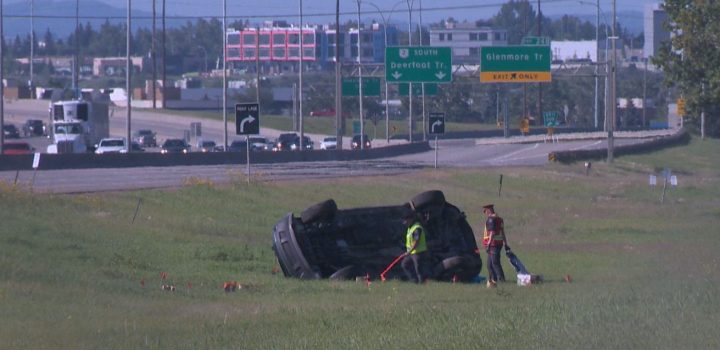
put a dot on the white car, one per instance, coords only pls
(329, 143)
(111, 145)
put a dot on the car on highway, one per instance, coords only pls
(284, 141)
(10, 131)
(343, 244)
(16, 148)
(146, 138)
(326, 112)
(260, 143)
(307, 143)
(206, 146)
(355, 142)
(135, 147)
(174, 146)
(34, 127)
(238, 146)
(111, 145)
(328, 143)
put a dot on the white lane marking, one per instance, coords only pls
(509, 155)
(588, 145)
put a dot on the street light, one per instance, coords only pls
(410, 31)
(386, 20)
(360, 85)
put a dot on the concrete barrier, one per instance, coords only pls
(86, 161)
(680, 138)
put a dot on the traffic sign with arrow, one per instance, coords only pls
(247, 119)
(437, 123)
(418, 64)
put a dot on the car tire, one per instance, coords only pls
(434, 197)
(343, 274)
(323, 210)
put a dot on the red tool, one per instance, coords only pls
(392, 264)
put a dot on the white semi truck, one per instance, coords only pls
(78, 125)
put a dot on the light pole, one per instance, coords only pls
(224, 68)
(360, 84)
(300, 82)
(386, 20)
(32, 45)
(128, 76)
(613, 98)
(410, 31)
(2, 76)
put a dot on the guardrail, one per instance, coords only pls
(89, 160)
(680, 138)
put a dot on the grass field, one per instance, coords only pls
(77, 273)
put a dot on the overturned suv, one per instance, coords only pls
(327, 242)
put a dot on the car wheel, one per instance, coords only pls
(343, 274)
(427, 198)
(322, 210)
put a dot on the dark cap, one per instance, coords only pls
(489, 207)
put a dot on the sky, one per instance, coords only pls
(317, 11)
(433, 10)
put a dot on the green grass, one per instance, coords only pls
(645, 274)
(326, 125)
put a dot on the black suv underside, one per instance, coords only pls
(325, 242)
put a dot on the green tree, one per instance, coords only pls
(691, 61)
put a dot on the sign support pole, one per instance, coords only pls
(436, 151)
(247, 158)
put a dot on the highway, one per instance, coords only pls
(465, 153)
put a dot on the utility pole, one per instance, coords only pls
(76, 64)
(360, 84)
(154, 60)
(32, 47)
(422, 86)
(224, 67)
(339, 121)
(410, 90)
(300, 82)
(613, 98)
(644, 124)
(128, 76)
(539, 101)
(164, 50)
(2, 77)
(597, 62)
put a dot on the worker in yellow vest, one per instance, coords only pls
(416, 248)
(493, 241)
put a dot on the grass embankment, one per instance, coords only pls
(645, 274)
(326, 125)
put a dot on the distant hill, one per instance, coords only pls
(59, 16)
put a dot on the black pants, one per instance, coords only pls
(413, 265)
(495, 270)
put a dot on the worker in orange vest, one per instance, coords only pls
(493, 241)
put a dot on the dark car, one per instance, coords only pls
(174, 146)
(10, 131)
(238, 146)
(15, 148)
(34, 127)
(145, 138)
(307, 143)
(327, 242)
(285, 141)
(206, 146)
(355, 143)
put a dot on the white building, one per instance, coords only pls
(466, 39)
(654, 28)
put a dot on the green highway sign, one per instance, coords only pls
(515, 64)
(370, 86)
(418, 64)
(430, 89)
(536, 41)
(551, 119)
